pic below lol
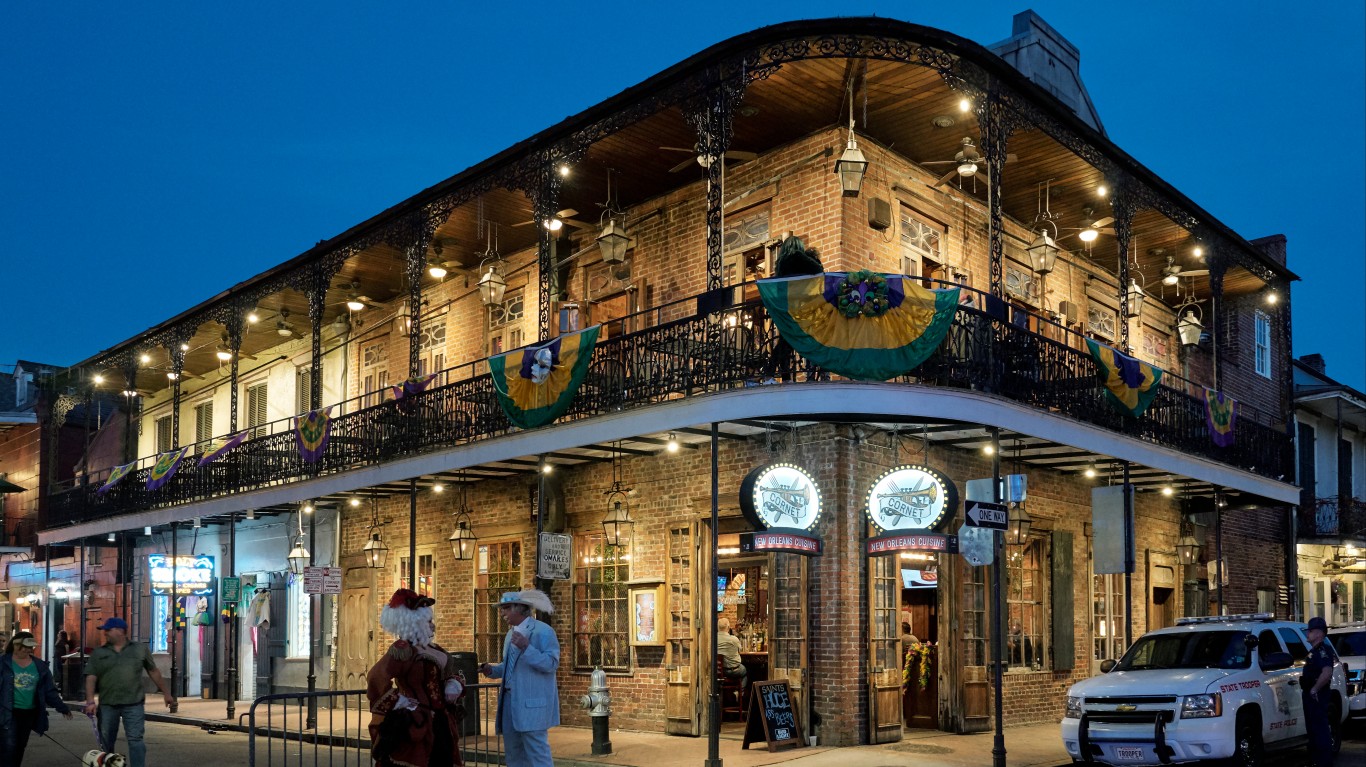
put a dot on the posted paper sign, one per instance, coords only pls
(555, 556)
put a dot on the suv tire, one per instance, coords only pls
(1248, 749)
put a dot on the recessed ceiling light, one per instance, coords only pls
(943, 121)
(747, 111)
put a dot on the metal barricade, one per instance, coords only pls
(278, 731)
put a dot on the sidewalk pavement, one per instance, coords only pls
(1026, 746)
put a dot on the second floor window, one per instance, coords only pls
(601, 605)
(1262, 344)
(163, 434)
(919, 247)
(303, 387)
(256, 413)
(203, 421)
(372, 387)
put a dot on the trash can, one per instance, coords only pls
(468, 664)
(73, 677)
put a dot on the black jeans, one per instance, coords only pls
(16, 739)
(1318, 729)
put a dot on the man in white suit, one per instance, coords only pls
(529, 699)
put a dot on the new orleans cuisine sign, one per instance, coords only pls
(783, 501)
(906, 505)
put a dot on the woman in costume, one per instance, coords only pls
(414, 690)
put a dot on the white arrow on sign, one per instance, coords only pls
(987, 514)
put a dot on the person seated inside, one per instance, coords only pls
(728, 647)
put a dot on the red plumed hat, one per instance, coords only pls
(409, 599)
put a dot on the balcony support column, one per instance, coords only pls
(711, 116)
(414, 234)
(235, 326)
(1126, 200)
(130, 384)
(1218, 266)
(317, 303)
(177, 350)
(176, 691)
(997, 122)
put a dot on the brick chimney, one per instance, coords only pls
(1315, 363)
(1273, 246)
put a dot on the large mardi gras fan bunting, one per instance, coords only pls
(165, 467)
(863, 325)
(1221, 411)
(536, 385)
(118, 473)
(312, 431)
(1130, 384)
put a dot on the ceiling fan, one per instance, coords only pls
(558, 221)
(282, 326)
(354, 300)
(1173, 272)
(701, 159)
(967, 163)
(1091, 228)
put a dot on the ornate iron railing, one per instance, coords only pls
(1333, 517)
(705, 344)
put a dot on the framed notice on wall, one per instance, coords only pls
(649, 610)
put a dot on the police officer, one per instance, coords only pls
(1314, 687)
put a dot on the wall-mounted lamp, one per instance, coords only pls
(1018, 525)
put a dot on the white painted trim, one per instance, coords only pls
(813, 400)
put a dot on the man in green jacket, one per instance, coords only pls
(115, 670)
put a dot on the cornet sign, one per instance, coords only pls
(783, 502)
(910, 498)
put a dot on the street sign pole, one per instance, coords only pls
(998, 747)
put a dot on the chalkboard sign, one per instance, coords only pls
(772, 717)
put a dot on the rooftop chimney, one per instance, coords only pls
(1315, 363)
(1043, 55)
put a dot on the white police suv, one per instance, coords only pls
(1204, 689)
(1349, 640)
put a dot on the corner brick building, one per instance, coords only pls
(969, 162)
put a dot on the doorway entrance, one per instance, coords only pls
(919, 632)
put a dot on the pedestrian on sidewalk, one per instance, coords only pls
(115, 673)
(529, 700)
(414, 690)
(26, 690)
(1314, 682)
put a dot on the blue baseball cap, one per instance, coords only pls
(1317, 623)
(113, 623)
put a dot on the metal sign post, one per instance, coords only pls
(998, 747)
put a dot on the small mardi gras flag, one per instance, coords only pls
(165, 467)
(220, 447)
(1130, 384)
(1220, 413)
(864, 325)
(312, 431)
(117, 474)
(414, 385)
(536, 385)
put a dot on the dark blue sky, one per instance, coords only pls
(156, 153)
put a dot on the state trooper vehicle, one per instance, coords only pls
(1349, 639)
(1224, 687)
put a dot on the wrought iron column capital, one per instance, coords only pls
(711, 115)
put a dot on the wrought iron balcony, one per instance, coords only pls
(704, 344)
(1336, 517)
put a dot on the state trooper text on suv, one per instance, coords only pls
(1205, 689)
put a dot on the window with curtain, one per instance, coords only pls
(601, 604)
(1027, 588)
(499, 569)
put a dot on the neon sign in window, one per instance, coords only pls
(192, 575)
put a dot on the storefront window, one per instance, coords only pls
(1026, 590)
(499, 570)
(300, 618)
(1107, 616)
(601, 605)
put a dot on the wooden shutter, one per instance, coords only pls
(203, 422)
(163, 434)
(1344, 476)
(256, 407)
(884, 650)
(1064, 621)
(682, 698)
(303, 386)
(1308, 468)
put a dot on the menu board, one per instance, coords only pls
(772, 717)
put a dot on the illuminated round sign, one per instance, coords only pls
(911, 498)
(782, 496)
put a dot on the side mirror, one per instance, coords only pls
(1275, 661)
(1107, 665)
(1249, 641)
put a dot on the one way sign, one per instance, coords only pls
(987, 514)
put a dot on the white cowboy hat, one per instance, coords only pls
(533, 598)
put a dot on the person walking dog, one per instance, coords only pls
(115, 672)
(26, 690)
(529, 700)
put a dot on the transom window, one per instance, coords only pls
(601, 604)
(512, 309)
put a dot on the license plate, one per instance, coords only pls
(1130, 754)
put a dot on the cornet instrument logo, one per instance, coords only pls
(789, 499)
(911, 498)
(781, 496)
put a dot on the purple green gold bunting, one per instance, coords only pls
(414, 385)
(118, 473)
(165, 467)
(1130, 384)
(221, 447)
(1221, 411)
(864, 325)
(536, 385)
(312, 431)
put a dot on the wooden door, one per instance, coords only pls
(788, 621)
(884, 650)
(682, 695)
(357, 639)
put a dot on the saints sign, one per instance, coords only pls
(911, 498)
(782, 497)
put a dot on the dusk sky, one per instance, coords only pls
(154, 154)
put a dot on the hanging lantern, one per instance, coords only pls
(1136, 296)
(1188, 550)
(1043, 251)
(850, 167)
(376, 553)
(618, 526)
(1189, 328)
(464, 544)
(613, 242)
(1018, 524)
(492, 285)
(298, 556)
